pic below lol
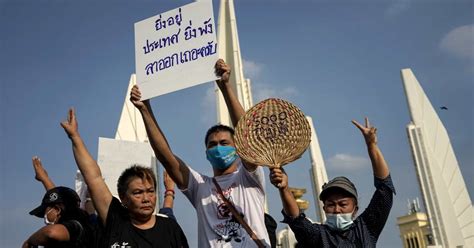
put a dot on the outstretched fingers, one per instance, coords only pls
(358, 125)
(70, 125)
(40, 172)
(71, 116)
(369, 132)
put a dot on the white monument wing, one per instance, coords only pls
(117, 155)
(444, 192)
(131, 125)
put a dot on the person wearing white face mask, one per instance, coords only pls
(340, 198)
(241, 183)
(66, 224)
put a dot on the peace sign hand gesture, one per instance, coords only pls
(369, 132)
(70, 125)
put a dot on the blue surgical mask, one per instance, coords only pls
(221, 157)
(340, 222)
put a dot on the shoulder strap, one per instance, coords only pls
(238, 216)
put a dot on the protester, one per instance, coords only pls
(42, 176)
(339, 196)
(242, 183)
(130, 223)
(92, 223)
(66, 224)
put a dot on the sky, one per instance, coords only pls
(335, 60)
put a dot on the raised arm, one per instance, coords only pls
(379, 166)
(46, 235)
(169, 191)
(89, 168)
(279, 179)
(175, 167)
(234, 107)
(41, 174)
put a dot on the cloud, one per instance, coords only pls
(397, 7)
(459, 42)
(347, 162)
(252, 69)
(263, 91)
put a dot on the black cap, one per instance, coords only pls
(341, 183)
(60, 194)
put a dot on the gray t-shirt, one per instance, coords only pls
(216, 226)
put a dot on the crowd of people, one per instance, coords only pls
(229, 204)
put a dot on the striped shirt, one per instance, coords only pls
(364, 232)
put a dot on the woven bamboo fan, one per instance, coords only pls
(272, 133)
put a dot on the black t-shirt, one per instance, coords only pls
(120, 232)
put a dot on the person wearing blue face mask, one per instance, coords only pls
(242, 183)
(340, 198)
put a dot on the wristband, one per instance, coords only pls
(169, 190)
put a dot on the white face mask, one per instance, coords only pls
(339, 222)
(46, 221)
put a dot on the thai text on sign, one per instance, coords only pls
(176, 49)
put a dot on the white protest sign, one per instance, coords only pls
(176, 49)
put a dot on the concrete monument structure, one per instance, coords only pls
(129, 147)
(130, 126)
(229, 50)
(318, 172)
(445, 197)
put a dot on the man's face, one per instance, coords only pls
(222, 138)
(338, 203)
(140, 197)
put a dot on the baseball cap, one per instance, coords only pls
(60, 194)
(340, 183)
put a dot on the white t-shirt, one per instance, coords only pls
(216, 227)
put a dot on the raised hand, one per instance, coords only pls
(369, 132)
(70, 125)
(222, 70)
(40, 173)
(135, 98)
(278, 178)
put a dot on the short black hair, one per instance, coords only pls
(134, 171)
(218, 128)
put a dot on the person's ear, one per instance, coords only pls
(356, 208)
